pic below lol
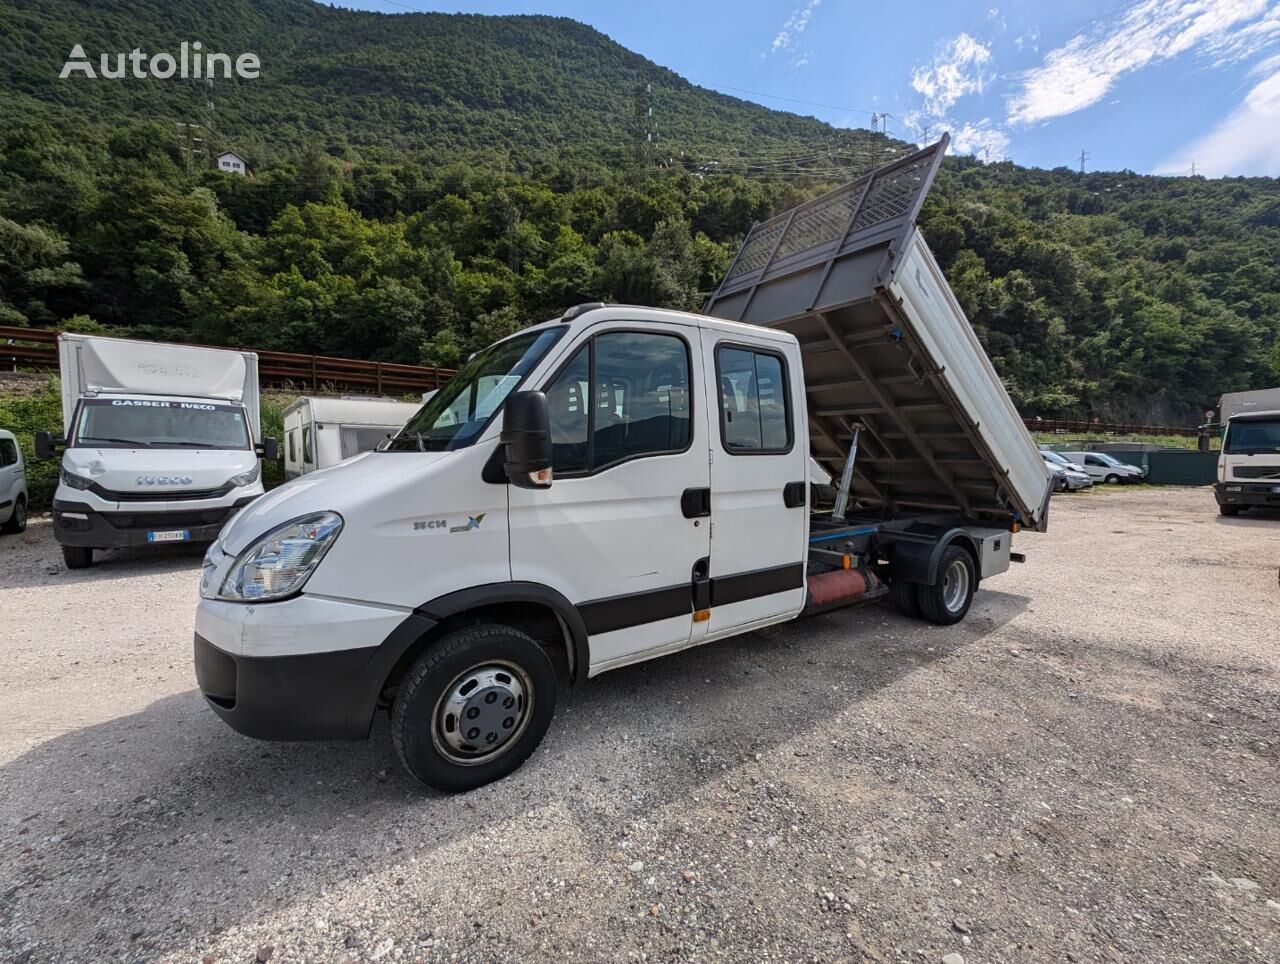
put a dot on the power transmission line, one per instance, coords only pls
(1083, 157)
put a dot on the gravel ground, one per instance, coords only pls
(1084, 770)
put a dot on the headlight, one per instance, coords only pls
(76, 481)
(280, 562)
(244, 478)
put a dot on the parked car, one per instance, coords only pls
(1067, 475)
(13, 485)
(1102, 467)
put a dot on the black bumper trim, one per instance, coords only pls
(1251, 493)
(118, 530)
(310, 696)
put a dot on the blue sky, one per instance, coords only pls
(1150, 85)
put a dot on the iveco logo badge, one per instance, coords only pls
(165, 480)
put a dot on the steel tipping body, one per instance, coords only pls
(887, 349)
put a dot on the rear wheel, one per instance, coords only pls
(1229, 509)
(949, 598)
(77, 557)
(906, 597)
(473, 708)
(17, 521)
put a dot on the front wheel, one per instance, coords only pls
(949, 598)
(17, 521)
(473, 708)
(1111, 479)
(77, 557)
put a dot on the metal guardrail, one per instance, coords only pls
(36, 350)
(1106, 428)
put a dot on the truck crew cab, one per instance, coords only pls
(624, 482)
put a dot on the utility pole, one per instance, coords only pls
(1083, 157)
(1193, 168)
(189, 143)
(986, 151)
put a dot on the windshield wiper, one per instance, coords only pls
(184, 443)
(115, 441)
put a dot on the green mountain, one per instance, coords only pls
(425, 183)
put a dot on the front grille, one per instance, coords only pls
(160, 494)
(1257, 472)
(167, 520)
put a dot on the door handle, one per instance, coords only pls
(793, 494)
(695, 503)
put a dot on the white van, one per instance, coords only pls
(624, 482)
(1102, 467)
(320, 432)
(13, 485)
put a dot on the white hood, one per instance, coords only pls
(158, 471)
(345, 488)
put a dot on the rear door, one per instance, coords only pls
(759, 480)
(629, 440)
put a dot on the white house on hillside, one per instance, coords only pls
(233, 163)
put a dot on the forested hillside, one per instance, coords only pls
(425, 183)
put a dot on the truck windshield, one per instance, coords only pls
(155, 423)
(459, 412)
(1252, 437)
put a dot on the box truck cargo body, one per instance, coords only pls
(160, 443)
(624, 482)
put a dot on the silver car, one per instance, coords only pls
(1067, 476)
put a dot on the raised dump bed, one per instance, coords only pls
(889, 353)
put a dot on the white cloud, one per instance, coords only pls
(1246, 142)
(982, 139)
(787, 39)
(1031, 38)
(1081, 72)
(956, 71)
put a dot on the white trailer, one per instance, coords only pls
(160, 443)
(623, 482)
(321, 432)
(1249, 465)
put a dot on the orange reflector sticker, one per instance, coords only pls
(848, 561)
(1015, 527)
(701, 615)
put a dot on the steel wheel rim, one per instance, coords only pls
(955, 585)
(482, 713)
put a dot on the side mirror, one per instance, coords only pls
(269, 449)
(47, 445)
(526, 435)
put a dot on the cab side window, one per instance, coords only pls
(624, 395)
(755, 410)
(1093, 460)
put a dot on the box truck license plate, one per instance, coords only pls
(169, 535)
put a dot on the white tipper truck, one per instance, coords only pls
(622, 482)
(1249, 464)
(161, 443)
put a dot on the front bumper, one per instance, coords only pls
(1251, 493)
(307, 668)
(117, 530)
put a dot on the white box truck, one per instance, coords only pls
(320, 432)
(624, 482)
(1249, 465)
(161, 443)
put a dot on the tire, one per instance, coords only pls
(1229, 509)
(474, 672)
(906, 597)
(1112, 479)
(17, 521)
(77, 557)
(948, 600)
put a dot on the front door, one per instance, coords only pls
(759, 480)
(629, 439)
